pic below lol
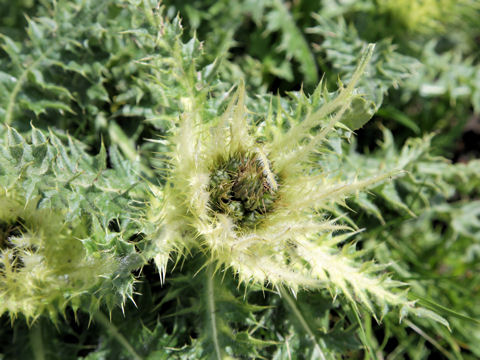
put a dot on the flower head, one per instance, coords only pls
(52, 254)
(43, 263)
(251, 198)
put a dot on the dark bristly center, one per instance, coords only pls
(9, 230)
(240, 188)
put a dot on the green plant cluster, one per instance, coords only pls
(239, 179)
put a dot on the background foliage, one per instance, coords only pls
(85, 84)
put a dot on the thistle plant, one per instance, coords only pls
(44, 266)
(129, 149)
(254, 200)
(52, 256)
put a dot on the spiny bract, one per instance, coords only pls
(251, 199)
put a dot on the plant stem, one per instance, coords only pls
(36, 342)
(429, 339)
(211, 311)
(296, 311)
(112, 329)
(18, 86)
